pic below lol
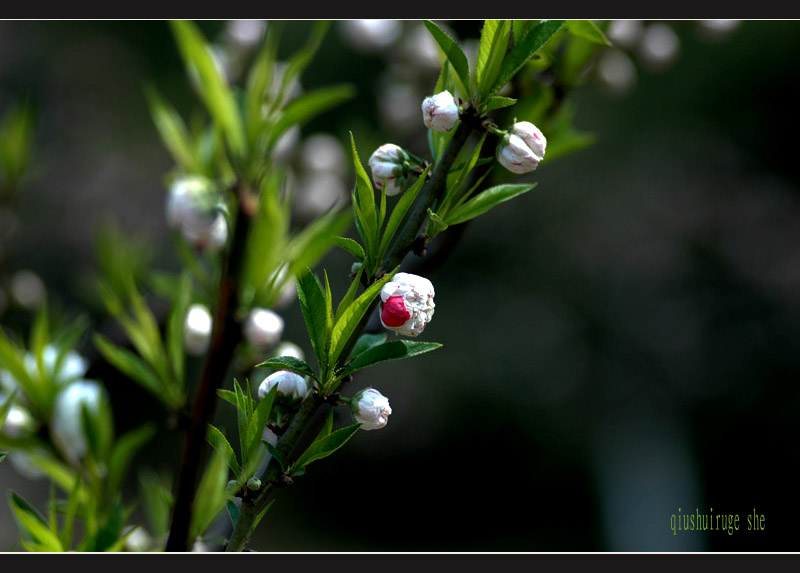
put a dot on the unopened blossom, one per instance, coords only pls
(58, 369)
(263, 327)
(522, 148)
(440, 111)
(389, 166)
(287, 348)
(371, 409)
(194, 208)
(290, 385)
(407, 304)
(66, 425)
(197, 329)
(19, 423)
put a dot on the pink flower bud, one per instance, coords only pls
(371, 409)
(389, 168)
(290, 385)
(440, 111)
(522, 148)
(407, 304)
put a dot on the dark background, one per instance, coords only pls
(619, 343)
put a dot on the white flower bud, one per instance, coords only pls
(254, 483)
(440, 111)
(371, 409)
(388, 169)
(263, 327)
(18, 423)
(24, 465)
(407, 304)
(66, 425)
(197, 329)
(193, 208)
(290, 385)
(72, 366)
(522, 148)
(287, 348)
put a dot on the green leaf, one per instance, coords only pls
(34, 525)
(213, 87)
(364, 202)
(275, 453)
(173, 131)
(498, 102)
(17, 131)
(110, 531)
(399, 212)
(367, 341)
(324, 447)
(351, 246)
(289, 363)
(485, 200)
(124, 449)
(3, 456)
(211, 496)
(307, 106)
(587, 30)
(157, 501)
(393, 350)
(454, 54)
(491, 52)
(524, 50)
(349, 296)
(255, 430)
(350, 318)
(312, 304)
(175, 328)
(218, 441)
(314, 241)
(437, 224)
(233, 512)
(134, 368)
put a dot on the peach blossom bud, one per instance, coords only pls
(522, 148)
(263, 327)
(290, 385)
(371, 409)
(407, 304)
(389, 168)
(67, 425)
(197, 329)
(440, 111)
(194, 208)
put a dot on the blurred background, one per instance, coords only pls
(620, 344)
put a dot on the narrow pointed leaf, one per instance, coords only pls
(484, 201)
(324, 447)
(524, 50)
(587, 30)
(393, 350)
(218, 441)
(289, 363)
(454, 54)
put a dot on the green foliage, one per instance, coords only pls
(323, 447)
(394, 350)
(17, 133)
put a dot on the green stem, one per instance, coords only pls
(308, 421)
